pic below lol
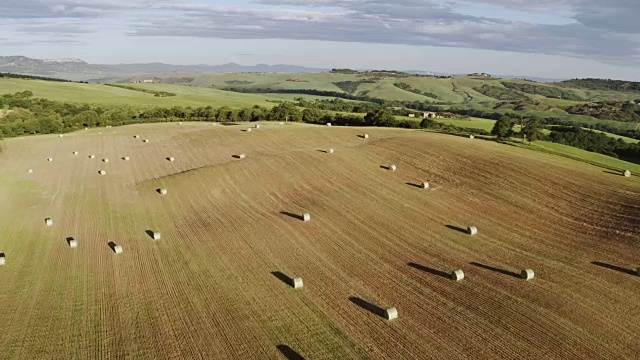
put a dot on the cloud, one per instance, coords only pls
(412, 22)
(608, 32)
(31, 9)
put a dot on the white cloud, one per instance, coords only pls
(607, 31)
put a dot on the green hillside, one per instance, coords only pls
(98, 94)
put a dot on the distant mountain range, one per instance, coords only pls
(76, 69)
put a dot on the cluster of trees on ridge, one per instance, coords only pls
(624, 111)
(601, 84)
(148, 91)
(500, 93)
(32, 77)
(531, 130)
(546, 91)
(31, 115)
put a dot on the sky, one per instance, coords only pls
(543, 38)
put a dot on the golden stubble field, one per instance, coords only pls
(207, 289)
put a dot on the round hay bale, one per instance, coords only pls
(281, 123)
(105, 160)
(471, 137)
(75, 153)
(297, 283)
(306, 217)
(48, 221)
(92, 156)
(391, 313)
(156, 235)
(102, 172)
(330, 151)
(365, 136)
(145, 140)
(73, 243)
(392, 167)
(424, 185)
(2, 260)
(30, 171)
(117, 249)
(162, 191)
(257, 126)
(248, 130)
(126, 158)
(241, 156)
(171, 158)
(49, 159)
(472, 230)
(136, 136)
(527, 274)
(180, 123)
(457, 275)
(626, 173)
(60, 135)
(328, 124)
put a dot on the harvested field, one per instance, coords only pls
(208, 291)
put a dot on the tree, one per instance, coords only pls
(381, 117)
(531, 129)
(285, 111)
(428, 123)
(224, 113)
(503, 128)
(87, 118)
(312, 116)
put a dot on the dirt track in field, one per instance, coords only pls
(207, 289)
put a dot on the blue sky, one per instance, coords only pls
(548, 38)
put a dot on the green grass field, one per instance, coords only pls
(588, 157)
(474, 123)
(107, 95)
